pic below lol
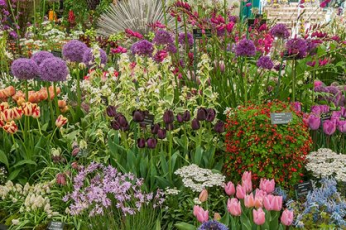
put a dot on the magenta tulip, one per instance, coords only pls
(267, 185)
(287, 217)
(329, 127)
(234, 207)
(342, 126)
(314, 122)
(229, 188)
(259, 217)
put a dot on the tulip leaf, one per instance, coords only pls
(225, 219)
(24, 162)
(184, 226)
(245, 222)
(3, 158)
(13, 175)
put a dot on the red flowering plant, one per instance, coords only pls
(254, 144)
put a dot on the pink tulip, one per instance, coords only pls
(273, 203)
(249, 201)
(267, 185)
(317, 84)
(277, 203)
(247, 184)
(246, 176)
(287, 217)
(229, 188)
(240, 192)
(203, 196)
(234, 207)
(259, 217)
(202, 216)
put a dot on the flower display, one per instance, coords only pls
(40, 56)
(24, 69)
(53, 70)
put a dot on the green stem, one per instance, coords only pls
(170, 154)
(293, 80)
(56, 100)
(50, 105)
(164, 11)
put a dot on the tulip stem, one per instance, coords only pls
(293, 80)
(50, 105)
(56, 100)
(170, 154)
(79, 94)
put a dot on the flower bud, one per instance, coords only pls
(138, 116)
(161, 134)
(203, 196)
(219, 127)
(140, 143)
(75, 151)
(61, 179)
(61, 121)
(115, 125)
(195, 124)
(155, 128)
(201, 114)
(111, 111)
(74, 165)
(211, 113)
(180, 118)
(168, 117)
(151, 143)
(187, 115)
(217, 216)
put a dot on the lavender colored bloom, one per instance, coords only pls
(3, 3)
(24, 69)
(297, 47)
(311, 47)
(265, 62)
(142, 47)
(39, 57)
(342, 126)
(233, 18)
(53, 69)
(89, 59)
(245, 48)
(213, 225)
(13, 34)
(314, 122)
(329, 127)
(182, 39)
(163, 37)
(280, 31)
(171, 48)
(74, 51)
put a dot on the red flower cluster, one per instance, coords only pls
(270, 151)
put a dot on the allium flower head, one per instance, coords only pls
(183, 38)
(3, 3)
(53, 69)
(163, 37)
(213, 225)
(142, 47)
(280, 31)
(265, 62)
(24, 69)
(297, 47)
(89, 59)
(40, 56)
(74, 51)
(245, 48)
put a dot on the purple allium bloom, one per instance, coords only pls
(171, 48)
(89, 59)
(142, 47)
(213, 225)
(53, 69)
(24, 69)
(13, 34)
(74, 51)
(245, 48)
(163, 37)
(297, 47)
(280, 30)
(311, 47)
(3, 3)
(182, 39)
(39, 57)
(265, 62)
(233, 18)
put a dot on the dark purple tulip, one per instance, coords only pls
(111, 111)
(201, 114)
(122, 120)
(219, 127)
(168, 117)
(141, 143)
(180, 118)
(211, 113)
(151, 143)
(115, 125)
(187, 115)
(342, 126)
(169, 127)
(126, 127)
(155, 128)
(143, 125)
(329, 127)
(138, 116)
(161, 134)
(314, 122)
(195, 124)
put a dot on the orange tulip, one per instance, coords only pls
(20, 101)
(64, 110)
(61, 104)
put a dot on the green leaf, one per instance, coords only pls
(13, 175)
(3, 158)
(24, 162)
(245, 222)
(185, 226)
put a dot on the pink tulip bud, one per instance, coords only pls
(247, 184)
(287, 217)
(202, 216)
(246, 176)
(203, 196)
(273, 203)
(61, 179)
(240, 192)
(267, 185)
(249, 201)
(229, 188)
(217, 216)
(259, 217)
(234, 207)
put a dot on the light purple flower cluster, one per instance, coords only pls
(297, 47)
(24, 69)
(89, 59)
(311, 46)
(331, 94)
(53, 70)
(74, 51)
(106, 189)
(183, 38)
(245, 48)
(213, 225)
(280, 31)
(265, 62)
(163, 37)
(6, 22)
(40, 56)
(143, 48)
